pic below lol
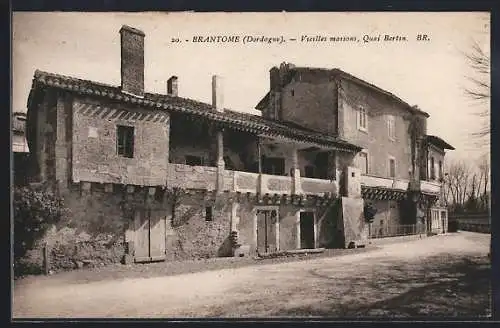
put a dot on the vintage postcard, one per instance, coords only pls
(251, 165)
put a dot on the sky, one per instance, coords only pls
(431, 74)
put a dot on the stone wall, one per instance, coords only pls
(94, 144)
(310, 101)
(387, 213)
(376, 139)
(92, 233)
(353, 225)
(190, 236)
(327, 233)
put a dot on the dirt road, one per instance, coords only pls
(446, 275)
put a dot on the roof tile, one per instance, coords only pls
(238, 120)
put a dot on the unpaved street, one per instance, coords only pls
(446, 275)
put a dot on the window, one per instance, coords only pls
(433, 169)
(440, 170)
(363, 162)
(125, 141)
(391, 127)
(362, 119)
(209, 214)
(194, 160)
(392, 167)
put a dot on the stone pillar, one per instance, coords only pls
(353, 183)
(297, 227)
(332, 165)
(260, 187)
(220, 160)
(297, 188)
(61, 152)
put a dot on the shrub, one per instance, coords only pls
(36, 209)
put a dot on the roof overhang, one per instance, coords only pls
(438, 142)
(236, 120)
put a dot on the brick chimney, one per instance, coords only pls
(217, 94)
(132, 60)
(172, 86)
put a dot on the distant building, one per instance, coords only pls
(171, 177)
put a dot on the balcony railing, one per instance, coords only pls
(276, 184)
(430, 186)
(245, 181)
(382, 231)
(374, 181)
(312, 186)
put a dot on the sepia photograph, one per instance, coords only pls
(288, 165)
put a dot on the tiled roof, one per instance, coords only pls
(342, 74)
(237, 120)
(435, 140)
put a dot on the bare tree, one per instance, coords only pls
(457, 182)
(478, 89)
(484, 173)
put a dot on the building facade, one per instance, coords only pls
(20, 150)
(401, 166)
(161, 177)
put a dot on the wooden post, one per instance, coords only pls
(46, 258)
(259, 155)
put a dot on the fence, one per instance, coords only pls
(382, 231)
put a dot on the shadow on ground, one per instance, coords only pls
(442, 286)
(452, 288)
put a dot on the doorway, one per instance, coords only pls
(267, 221)
(150, 230)
(307, 230)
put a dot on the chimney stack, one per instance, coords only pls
(217, 94)
(132, 60)
(172, 86)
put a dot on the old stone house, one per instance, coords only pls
(400, 165)
(165, 177)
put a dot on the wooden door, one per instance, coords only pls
(141, 243)
(150, 233)
(157, 234)
(266, 231)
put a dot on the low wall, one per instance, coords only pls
(470, 222)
